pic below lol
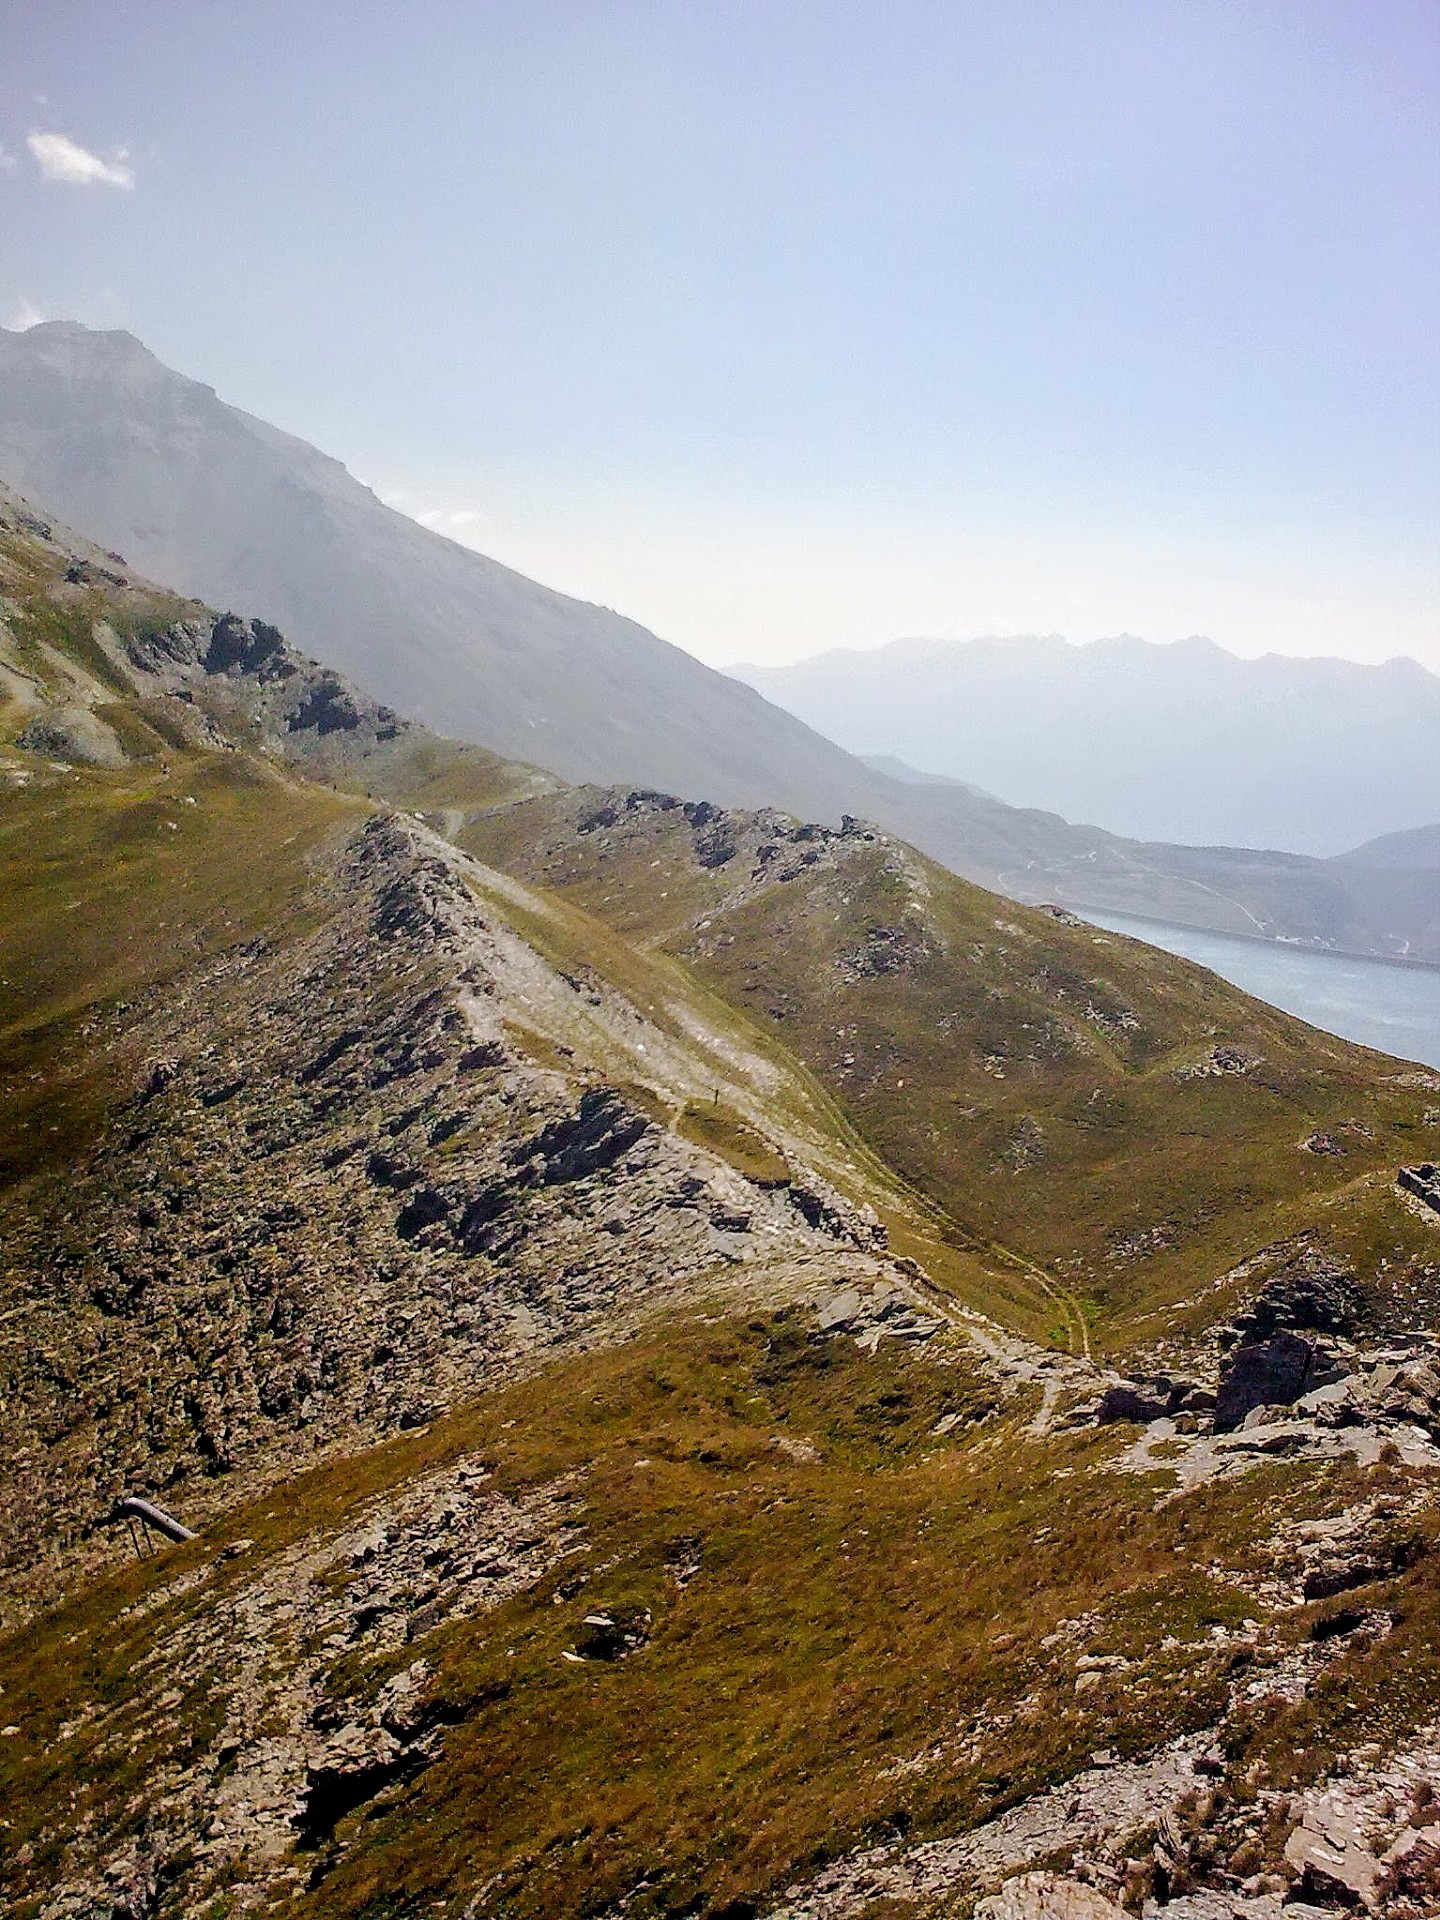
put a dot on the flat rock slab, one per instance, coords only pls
(1111, 1799)
(1047, 1896)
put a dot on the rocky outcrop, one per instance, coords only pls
(1182, 1833)
(873, 1314)
(1047, 1896)
(1289, 1348)
(74, 734)
(1424, 1182)
(1110, 1800)
(288, 698)
(1273, 1353)
(1339, 1854)
(1302, 1299)
(758, 848)
(1398, 1388)
(1273, 1372)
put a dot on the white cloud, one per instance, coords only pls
(62, 159)
(26, 315)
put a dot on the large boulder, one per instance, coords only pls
(1405, 1393)
(1271, 1373)
(1275, 1352)
(1330, 1851)
(73, 734)
(248, 647)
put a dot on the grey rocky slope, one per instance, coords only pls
(226, 507)
(1183, 742)
(199, 494)
(361, 1173)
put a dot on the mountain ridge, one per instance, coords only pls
(363, 634)
(1413, 848)
(240, 514)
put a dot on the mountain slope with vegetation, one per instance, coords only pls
(198, 493)
(1109, 1112)
(636, 1469)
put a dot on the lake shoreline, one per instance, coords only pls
(1388, 1005)
(1265, 940)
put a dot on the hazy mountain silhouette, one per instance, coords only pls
(1182, 742)
(1419, 848)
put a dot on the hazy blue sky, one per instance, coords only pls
(790, 325)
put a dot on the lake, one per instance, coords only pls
(1394, 1008)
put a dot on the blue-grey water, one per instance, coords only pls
(1394, 1008)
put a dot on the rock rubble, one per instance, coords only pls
(253, 1803)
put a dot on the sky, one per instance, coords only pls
(788, 326)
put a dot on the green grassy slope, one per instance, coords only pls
(1121, 1118)
(1078, 1114)
(111, 884)
(863, 1582)
(114, 879)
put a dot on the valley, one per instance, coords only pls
(716, 1367)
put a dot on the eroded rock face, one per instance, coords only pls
(1328, 1850)
(1268, 1373)
(871, 1315)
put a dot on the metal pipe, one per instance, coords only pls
(156, 1517)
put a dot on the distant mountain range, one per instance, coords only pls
(1182, 742)
(229, 509)
(1418, 850)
